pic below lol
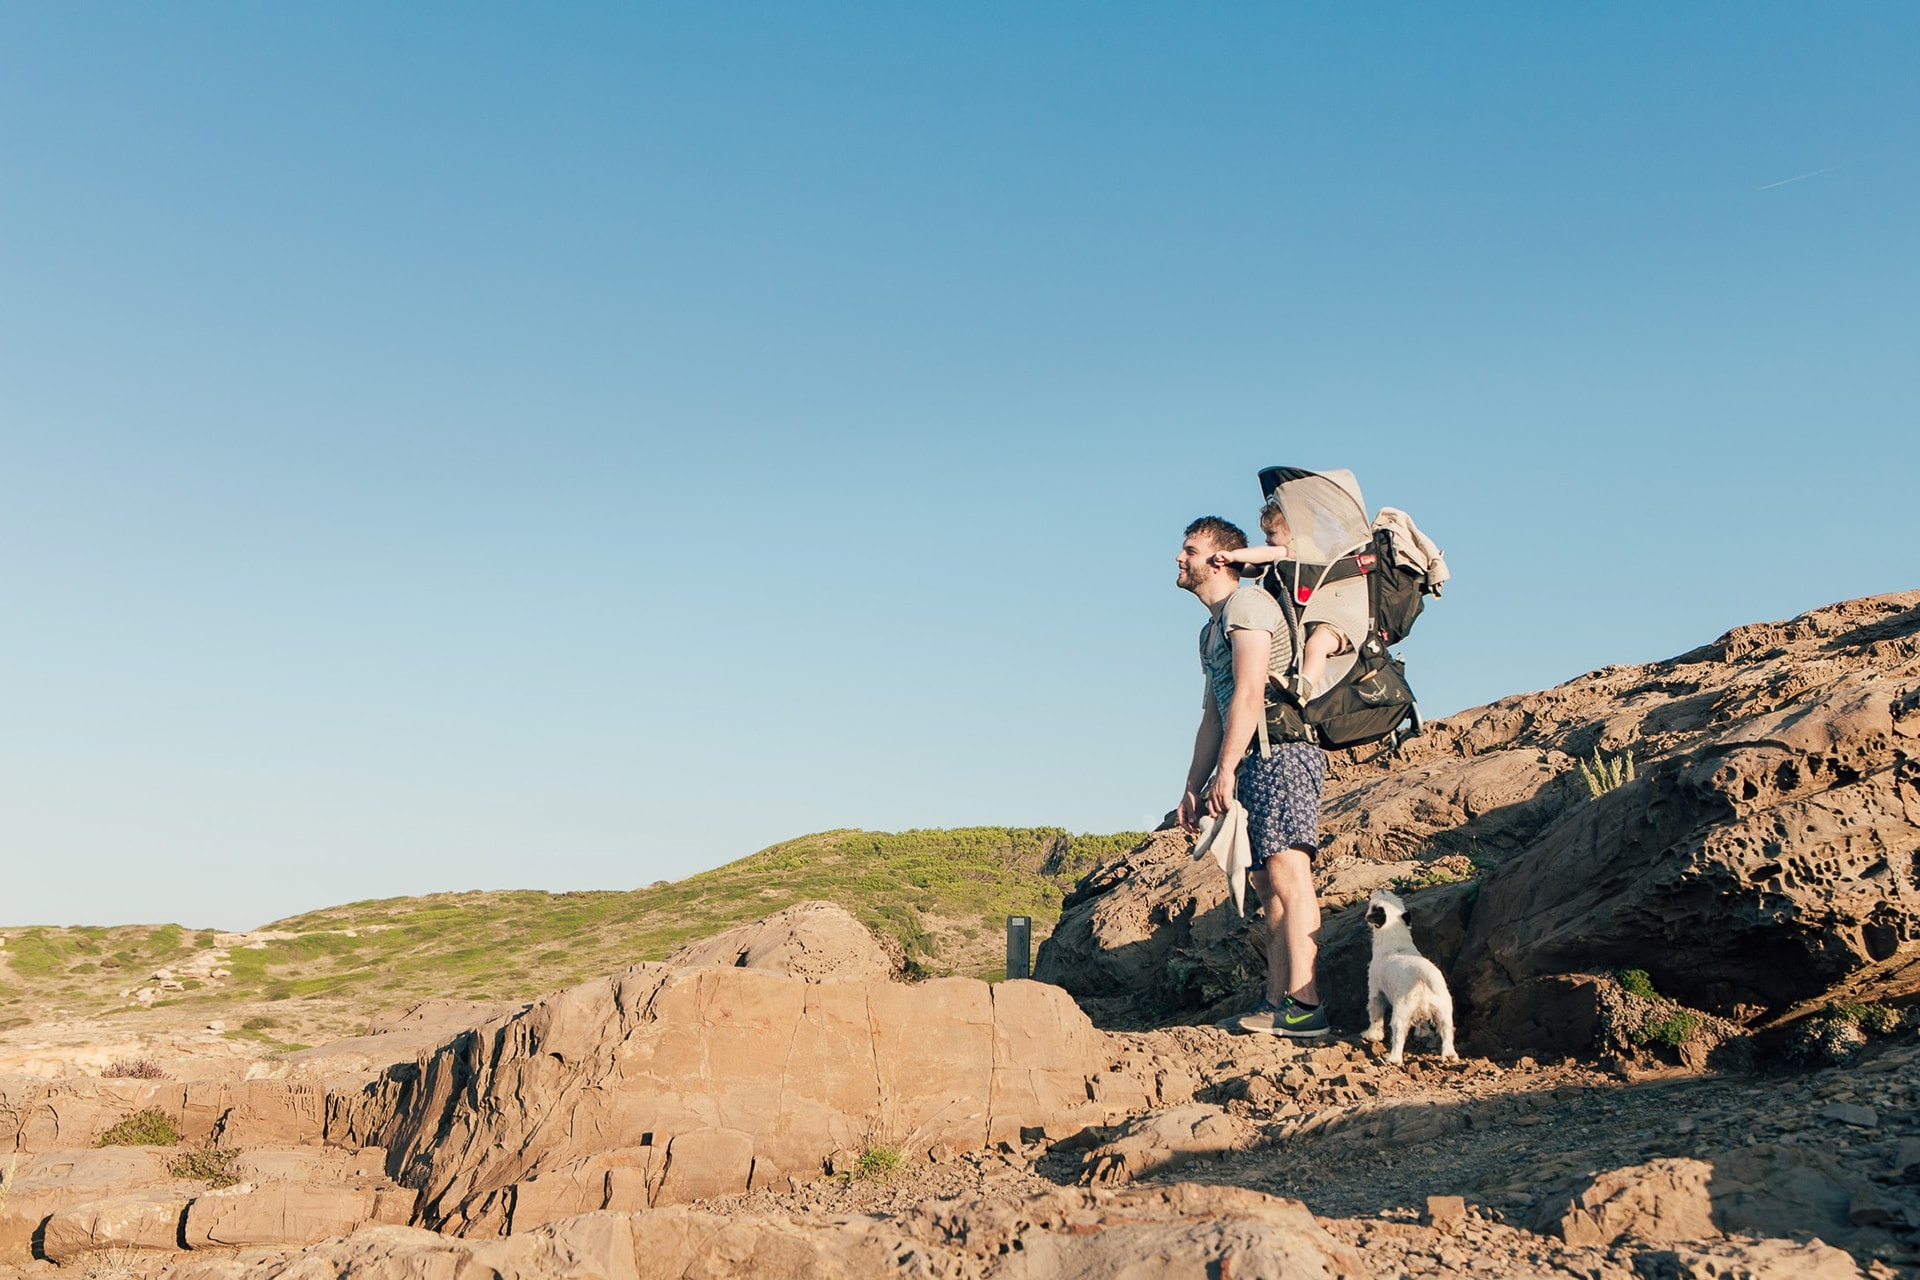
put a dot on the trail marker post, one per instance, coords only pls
(1019, 947)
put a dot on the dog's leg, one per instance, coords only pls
(1402, 1020)
(1376, 1016)
(1444, 1018)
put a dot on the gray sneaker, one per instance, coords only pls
(1263, 1018)
(1296, 1020)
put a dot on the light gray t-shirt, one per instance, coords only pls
(1249, 608)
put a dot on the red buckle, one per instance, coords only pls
(1303, 594)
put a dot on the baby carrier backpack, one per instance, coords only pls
(1334, 542)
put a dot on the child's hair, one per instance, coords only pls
(1273, 519)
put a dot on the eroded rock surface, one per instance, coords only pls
(1762, 856)
(806, 940)
(664, 1084)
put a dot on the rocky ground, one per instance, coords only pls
(1832, 1154)
(1745, 1102)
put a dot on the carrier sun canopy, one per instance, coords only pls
(1324, 511)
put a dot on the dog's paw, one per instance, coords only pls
(1375, 1034)
(1396, 1058)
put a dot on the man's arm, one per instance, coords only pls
(1251, 650)
(1206, 749)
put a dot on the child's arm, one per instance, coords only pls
(1253, 555)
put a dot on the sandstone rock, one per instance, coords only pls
(1153, 926)
(52, 1181)
(1447, 1213)
(441, 1017)
(1762, 1260)
(799, 1068)
(1760, 867)
(1660, 1201)
(1163, 1141)
(146, 1220)
(1764, 855)
(1181, 1230)
(275, 1215)
(807, 940)
(705, 1163)
(1770, 1189)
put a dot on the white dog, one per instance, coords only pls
(1401, 977)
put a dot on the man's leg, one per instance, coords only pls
(1293, 932)
(1277, 951)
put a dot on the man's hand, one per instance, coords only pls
(1188, 813)
(1220, 799)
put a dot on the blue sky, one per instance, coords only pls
(475, 446)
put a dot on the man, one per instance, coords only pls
(1245, 643)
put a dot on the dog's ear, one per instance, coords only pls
(1376, 915)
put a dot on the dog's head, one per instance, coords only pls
(1385, 908)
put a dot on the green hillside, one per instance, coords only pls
(941, 895)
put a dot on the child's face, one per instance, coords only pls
(1276, 531)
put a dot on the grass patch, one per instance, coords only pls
(204, 1164)
(150, 1128)
(1605, 774)
(938, 898)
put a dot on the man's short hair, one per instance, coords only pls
(1225, 534)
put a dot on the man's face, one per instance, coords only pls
(1192, 561)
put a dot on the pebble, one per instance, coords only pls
(1851, 1113)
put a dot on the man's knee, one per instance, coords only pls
(1290, 875)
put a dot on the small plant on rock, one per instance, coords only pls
(877, 1164)
(150, 1128)
(1604, 774)
(215, 1168)
(133, 1069)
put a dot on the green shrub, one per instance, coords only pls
(150, 1128)
(1636, 982)
(1673, 1027)
(1603, 775)
(215, 1168)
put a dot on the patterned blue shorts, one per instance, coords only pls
(1281, 793)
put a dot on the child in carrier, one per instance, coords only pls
(1334, 615)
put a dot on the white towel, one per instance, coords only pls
(1226, 838)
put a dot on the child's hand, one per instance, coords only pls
(1221, 558)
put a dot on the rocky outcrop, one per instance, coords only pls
(46, 1115)
(1166, 1140)
(807, 940)
(660, 1085)
(1662, 1201)
(1179, 1230)
(1764, 855)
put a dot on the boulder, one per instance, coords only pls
(714, 1073)
(50, 1181)
(1164, 1140)
(806, 940)
(1754, 871)
(143, 1220)
(273, 1215)
(1156, 927)
(1748, 1259)
(1661, 1201)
